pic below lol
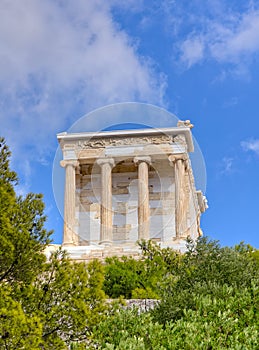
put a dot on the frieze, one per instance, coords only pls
(124, 141)
(180, 139)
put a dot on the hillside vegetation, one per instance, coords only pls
(208, 297)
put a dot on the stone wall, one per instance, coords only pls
(125, 203)
(142, 305)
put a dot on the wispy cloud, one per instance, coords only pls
(25, 172)
(192, 50)
(251, 145)
(223, 35)
(60, 59)
(233, 101)
(227, 165)
(237, 39)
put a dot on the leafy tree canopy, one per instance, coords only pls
(206, 268)
(22, 234)
(43, 304)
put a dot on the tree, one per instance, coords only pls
(17, 329)
(62, 305)
(141, 278)
(23, 237)
(43, 304)
(68, 299)
(122, 276)
(127, 329)
(209, 299)
(206, 269)
(228, 319)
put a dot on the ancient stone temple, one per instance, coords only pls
(126, 185)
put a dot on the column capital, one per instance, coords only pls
(102, 161)
(140, 159)
(73, 162)
(173, 158)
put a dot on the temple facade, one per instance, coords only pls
(127, 185)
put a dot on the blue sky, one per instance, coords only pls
(59, 60)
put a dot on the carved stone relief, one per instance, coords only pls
(102, 143)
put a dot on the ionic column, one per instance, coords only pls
(69, 236)
(178, 162)
(143, 197)
(106, 200)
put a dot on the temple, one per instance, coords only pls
(127, 185)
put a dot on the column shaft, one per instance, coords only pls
(143, 199)
(178, 195)
(69, 205)
(106, 200)
(181, 205)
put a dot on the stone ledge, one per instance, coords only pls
(94, 251)
(142, 305)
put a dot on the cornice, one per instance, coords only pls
(134, 133)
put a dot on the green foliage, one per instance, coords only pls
(24, 241)
(209, 300)
(161, 266)
(126, 329)
(7, 176)
(140, 278)
(62, 305)
(66, 299)
(22, 233)
(227, 322)
(17, 330)
(43, 305)
(144, 293)
(207, 261)
(205, 269)
(122, 276)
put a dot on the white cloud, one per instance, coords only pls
(251, 145)
(239, 38)
(129, 5)
(228, 37)
(192, 50)
(25, 171)
(227, 165)
(61, 58)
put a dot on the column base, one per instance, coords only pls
(69, 244)
(106, 243)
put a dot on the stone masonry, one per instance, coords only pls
(127, 185)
